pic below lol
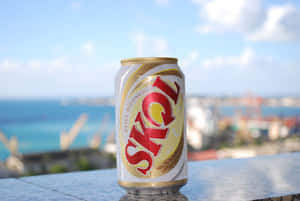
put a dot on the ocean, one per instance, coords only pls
(37, 124)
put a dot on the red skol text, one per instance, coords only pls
(144, 136)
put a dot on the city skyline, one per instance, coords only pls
(73, 48)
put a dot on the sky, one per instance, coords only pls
(72, 48)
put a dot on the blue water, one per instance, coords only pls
(38, 124)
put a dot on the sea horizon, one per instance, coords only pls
(37, 124)
(60, 97)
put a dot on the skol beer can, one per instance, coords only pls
(150, 126)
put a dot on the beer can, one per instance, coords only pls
(150, 125)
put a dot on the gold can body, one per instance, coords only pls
(150, 125)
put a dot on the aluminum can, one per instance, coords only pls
(150, 125)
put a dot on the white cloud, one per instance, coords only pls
(282, 24)
(9, 65)
(190, 59)
(75, 5)
(88, 48)
(139, 40)
(51, 65)
(160, 45)
(58, 49)
(146, 45)
(57, 77)
(59, 64)
(162, 2)
(245, 59)
(242, 72)
(34, 64)
(207, 28)
(237, 15)
(249, 18)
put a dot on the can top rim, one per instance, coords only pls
(142, 60)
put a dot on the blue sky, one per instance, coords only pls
(65, 48)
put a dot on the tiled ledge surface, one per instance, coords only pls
(276, 177)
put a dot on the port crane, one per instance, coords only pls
(96, 139)
(11, 144)
(66, 138)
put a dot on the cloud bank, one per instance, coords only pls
(251, 19)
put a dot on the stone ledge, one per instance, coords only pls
(276, 177)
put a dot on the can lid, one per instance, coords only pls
(142, 60)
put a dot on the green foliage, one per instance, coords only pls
(30, 173)
(83, 164)
(57, 168)
(112, 157)
(258, 141)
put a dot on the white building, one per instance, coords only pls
(201, 123)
